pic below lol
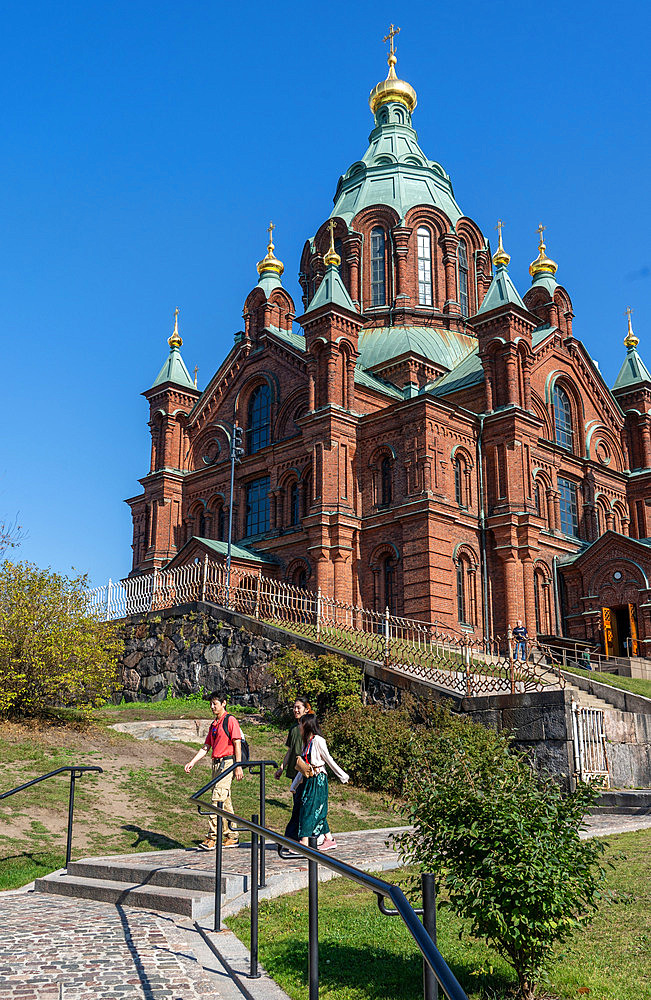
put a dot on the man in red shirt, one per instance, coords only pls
(225, 740)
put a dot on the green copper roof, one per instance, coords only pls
(632, 372)
(545, 280)
(331, 291)
(269, 280)
(501, 292)
(174, 370)
(394, 171)
(443, 347)
(296, 340)
(379, 385)
(237, 551)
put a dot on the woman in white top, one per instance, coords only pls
(312, 820)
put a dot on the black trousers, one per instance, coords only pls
(291, 830)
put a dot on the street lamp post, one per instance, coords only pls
(237, 450)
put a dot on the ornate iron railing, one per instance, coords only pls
(454, 660)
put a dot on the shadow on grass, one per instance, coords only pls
(158, 841)
(376, 972)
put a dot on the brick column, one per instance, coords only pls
(449, 243)
(401, 236)
(511, 360)
(352, 245)
(311, 373)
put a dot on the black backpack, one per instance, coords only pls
(244, 746)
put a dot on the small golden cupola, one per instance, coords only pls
(542, 264)
(270, 263)
(500, 258)
(630, 340)
(175, 339)
(392, 89)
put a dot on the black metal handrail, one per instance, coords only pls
(249, 765)
(432, 958)
(75, 772)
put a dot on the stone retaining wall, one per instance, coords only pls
(201, 647)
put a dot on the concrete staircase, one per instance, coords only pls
(549, 677)
(147, 886)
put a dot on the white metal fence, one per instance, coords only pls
(590, 759)
(452, 660)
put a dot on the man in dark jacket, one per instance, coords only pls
(520, 635)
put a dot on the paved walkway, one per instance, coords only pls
(58, 948)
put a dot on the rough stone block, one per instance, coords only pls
(619, 727)
(525, 723)
(214, 653)
(153, 684)
(555, 723)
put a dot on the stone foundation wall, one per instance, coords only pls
(201, 647)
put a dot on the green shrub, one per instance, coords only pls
(375, 746)
(504, 841)
(329, 681)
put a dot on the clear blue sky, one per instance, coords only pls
(146, 146)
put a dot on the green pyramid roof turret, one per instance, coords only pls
(633, 371)
(331, 291)
(174, 369)
(501, 291)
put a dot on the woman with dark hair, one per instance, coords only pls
(294, 744)
(312, 820)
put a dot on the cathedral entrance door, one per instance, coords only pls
(610, 635)
(620, 630)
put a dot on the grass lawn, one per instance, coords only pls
(366, 956)
(636, 685)
(140, 802)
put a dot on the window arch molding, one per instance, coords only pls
(218, 517)
(200, 518)
(383, 465)
(466, 565)
(425, 264)
(462, 466)
(295, 568)
(561, 381)
(542, 592)
(386, 568)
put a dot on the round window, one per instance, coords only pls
(617, 575)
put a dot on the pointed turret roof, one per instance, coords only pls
(633, 371)
(174, 369)
(332, 290)
(501, 290)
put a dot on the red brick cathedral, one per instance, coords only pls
(422, 437)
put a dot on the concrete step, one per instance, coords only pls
(167, 899)
(121, 870)
(585, 699)
(624, 801)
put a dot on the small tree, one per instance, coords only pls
(505, 844)
(53, 649)
(329, 681)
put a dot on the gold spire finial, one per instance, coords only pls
(332, 257)
(175, 339)
(196, 369)
(542, 264)
(392, 89)
(630, 340)
(271, 262)
(500, 258)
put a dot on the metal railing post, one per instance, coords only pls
(108, 600)
(387, 632)
(509, 639)
(254, 972)
(428, 884)
(318, 614)
(313, 923)
(263, 822)
(71, 806)
(204, 576)
(217, 924)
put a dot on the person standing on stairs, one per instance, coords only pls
(224, 739)
(521, 637)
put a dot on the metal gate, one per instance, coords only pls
(590, 760)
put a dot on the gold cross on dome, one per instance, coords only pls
(331, 226)
(541, 229)
(270, 230)
(499, 228)
(389, 38)
(629, 312)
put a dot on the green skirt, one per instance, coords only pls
(312, 821)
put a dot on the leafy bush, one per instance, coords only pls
(504, 841)
(53, 650)
(329, 681)
(375, 746)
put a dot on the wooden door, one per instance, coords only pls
(632, 615)
(607, 619)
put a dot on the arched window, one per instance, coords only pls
(458, 481)
(461, 592)
(201, 524)
(258, 422)
(378, 289)
(386, 486)
(300, 579)
(462, 255)
(221, 524)
(537, 499)
(389, 572)
(601, 520)
(294, 504)
(563, 418)
(424, 267)
(538, 599)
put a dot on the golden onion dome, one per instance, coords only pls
(271, 262)
(332, 257)
(501, 258)
(542, 264)
(630, 340)
(175, 339)
(392, 89)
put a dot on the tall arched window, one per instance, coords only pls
(221, 524)
(424, 267)
(378, 289)
(257, 427)
(458, 481)
(201, 525)
(389, 570)
(537, 499)
(462, 255)
(294, 508)
(538, 599)
(563, 418)
(385, 481)
(461, 592)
